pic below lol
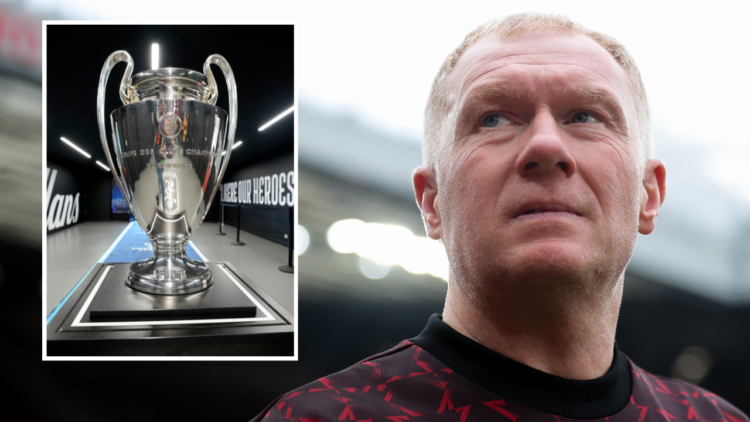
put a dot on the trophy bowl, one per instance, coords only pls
(170, 142)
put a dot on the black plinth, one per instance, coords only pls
(233, 317)
(114, 301)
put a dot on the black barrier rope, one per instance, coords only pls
(290, 267)
(221, 222)
(238, 243)
(285, 268)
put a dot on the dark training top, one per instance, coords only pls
(442, 375)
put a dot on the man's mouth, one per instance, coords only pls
(546, 210)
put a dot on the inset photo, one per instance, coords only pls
(170, 192)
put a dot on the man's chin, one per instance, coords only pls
(551, 260)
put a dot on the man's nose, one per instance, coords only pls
(546, 150)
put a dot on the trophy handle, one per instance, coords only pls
(112, 60)
(213, 94)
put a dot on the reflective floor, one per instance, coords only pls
(72, 252)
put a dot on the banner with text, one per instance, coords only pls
(63, 199)
(265, 193)
(275, 190)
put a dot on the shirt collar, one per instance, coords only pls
(581, 399)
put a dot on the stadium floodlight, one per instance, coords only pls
(276, 119)
(302, 238)
(74, 146)
(385, 245)
(154, 56)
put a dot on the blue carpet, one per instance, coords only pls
(134, 246)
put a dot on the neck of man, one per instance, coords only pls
(561, 328)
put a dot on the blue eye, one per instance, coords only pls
(584, 117)
(496, 120)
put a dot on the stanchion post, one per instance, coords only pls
(290, 267)
(221, 221)
(239, 213)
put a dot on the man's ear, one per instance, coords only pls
(426, 192)
(654, 189)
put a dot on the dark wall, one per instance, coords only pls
(98, 197)
(265, 191)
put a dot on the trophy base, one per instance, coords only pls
(169, 275)
(101, 317)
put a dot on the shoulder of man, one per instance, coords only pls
(333, 396)
(366, 389)
(675, 399)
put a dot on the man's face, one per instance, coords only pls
(543, 176)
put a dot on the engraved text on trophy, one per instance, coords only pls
(171, 203)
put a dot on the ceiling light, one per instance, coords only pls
(75, 147)
(102, 166)
(236, 144)
(276, 119)
(154, 56)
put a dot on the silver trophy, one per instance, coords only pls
(169, 141)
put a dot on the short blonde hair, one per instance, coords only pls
(440, 115)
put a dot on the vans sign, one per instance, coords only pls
(63, 209)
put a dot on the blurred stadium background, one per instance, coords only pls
(353, 165)
(685, 310)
